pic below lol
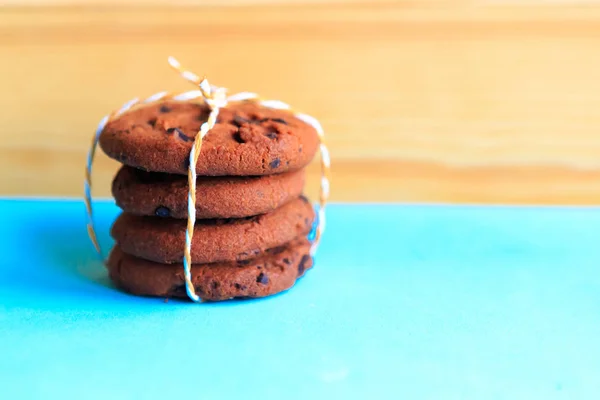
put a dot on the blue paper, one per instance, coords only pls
(405, 302)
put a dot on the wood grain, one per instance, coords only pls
(421, 101)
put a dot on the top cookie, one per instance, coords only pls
(248, 139)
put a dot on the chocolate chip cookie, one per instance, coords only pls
(248, 139)
(162, 239)
(274, 271)
(165, 195)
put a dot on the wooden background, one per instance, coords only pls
(422, 101)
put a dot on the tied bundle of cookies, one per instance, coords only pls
(250, 234)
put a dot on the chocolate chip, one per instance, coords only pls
(262, 278)
(163, 212)
(180, 133)
(152, 122)
(277, 250)
(184, 137)
(302, 265)
(287, 261)
(239, 121)
(240, 287)
(281, 121)
(275, 163)
(215, 285)
(177, 291)
(271, 135)
(164, 109)
(238, 138)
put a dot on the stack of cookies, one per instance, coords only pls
(252, 227)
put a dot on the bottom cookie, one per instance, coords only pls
(272, 272)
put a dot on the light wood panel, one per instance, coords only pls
(421, 101)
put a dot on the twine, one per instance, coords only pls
(215, 98)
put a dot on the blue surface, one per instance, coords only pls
(405, 302)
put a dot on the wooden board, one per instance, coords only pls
(421, 101)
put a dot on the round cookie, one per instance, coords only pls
(274, 271)
(162, 239)
(165, 195)
(248, 139)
